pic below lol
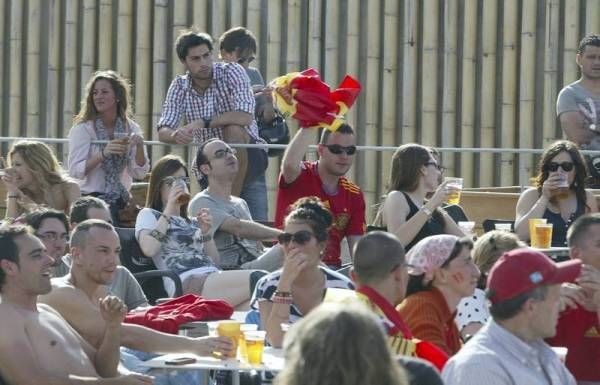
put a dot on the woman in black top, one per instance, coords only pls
(406, 212)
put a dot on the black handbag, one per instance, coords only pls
(274, 132)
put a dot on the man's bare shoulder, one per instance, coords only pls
(63, 293)
(9, 313)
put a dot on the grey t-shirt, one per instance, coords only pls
(575, 97)
(234, 251)
(256, 78)
(126, 287)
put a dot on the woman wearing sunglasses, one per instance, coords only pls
(406, 211)
(286, 295)
(559, 193)
(183, 244)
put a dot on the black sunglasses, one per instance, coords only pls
(248, 59)
(337, 149)
(434, 164)
(300, 237)
(171, 179)
(553, 166)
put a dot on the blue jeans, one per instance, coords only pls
(255, 194)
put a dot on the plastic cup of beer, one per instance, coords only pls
(455, 184)
(561, 352)
(185, 196)
(243, 353)
(255, 345)
(122, 136)
(232, 330)
(532, 223)
(563, 187)
(543, 236)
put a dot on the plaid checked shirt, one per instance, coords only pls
(229, 91)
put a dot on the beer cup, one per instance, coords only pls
(232, 330)
(185, 196)
(243, 352)
(454, 196)
(543, 236)
(563, 188)
(255, 345)
(532, 223)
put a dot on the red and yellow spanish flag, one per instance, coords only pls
(310, 100)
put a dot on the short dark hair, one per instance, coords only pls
(343, 129)
(10, 250)
(510, 308)
(201, 157)
(36, 217)
(79, 208)
(312, 211)
(80, 232)
(376, 255)
(590, 39)
(189, 38)
(238, 39)
(580, 227)
(416, 282)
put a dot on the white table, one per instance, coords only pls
(554, 252)
(272, 361)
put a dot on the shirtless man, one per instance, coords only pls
(37, 346)
(94, 250)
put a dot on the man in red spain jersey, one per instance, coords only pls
(324, 179)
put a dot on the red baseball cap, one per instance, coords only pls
(521, 270)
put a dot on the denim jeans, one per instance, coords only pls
(255, 194)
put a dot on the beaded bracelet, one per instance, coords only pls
(282, 300)
(283, 293)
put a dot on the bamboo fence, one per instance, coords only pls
(468, 73)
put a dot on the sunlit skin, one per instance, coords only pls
(589, 62)
(199, 63)
(54, 236)
(336, 164)
(105, 100)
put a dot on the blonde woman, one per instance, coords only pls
(339, 345)
(107, 170)
(35, 178)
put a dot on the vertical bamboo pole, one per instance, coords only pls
(314, 37)
(429, 74)
(200, 14)
(330, 72)
(509, 90)
(488, 94)
(177, 68)
(293, 32)
(218, 18)
(105, 35)
(16, 68)
(527, 84)
(550, 71)
(372, 97)
(70, 80)
(3, 85)
(352, 52)
(571, 41)
(159, 66)
(124, 41)
(592, 16)
(409, 70)
(389, 95)
(236, 14)
(88, 42)
(143, 78)
(33, 65)
(448, 138)
(254, 25)
(468, 88)
(52, 75)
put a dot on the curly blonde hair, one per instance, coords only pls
(40, 160)
(324, 348)
(120, 86)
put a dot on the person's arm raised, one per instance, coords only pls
(295, 151)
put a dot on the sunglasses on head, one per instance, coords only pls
(553, 166)
(222, 153)
(337, 149)
(300, 237)
(248, 59)
(171, 179)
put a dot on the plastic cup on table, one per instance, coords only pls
(255, 345)
(242, 341)
(532, 223)
(543, 236)
(503, 226)
(232, 330)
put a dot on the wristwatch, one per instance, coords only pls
(207, 123)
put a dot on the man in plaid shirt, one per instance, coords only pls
(217, 102)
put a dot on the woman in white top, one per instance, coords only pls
(107, 170)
